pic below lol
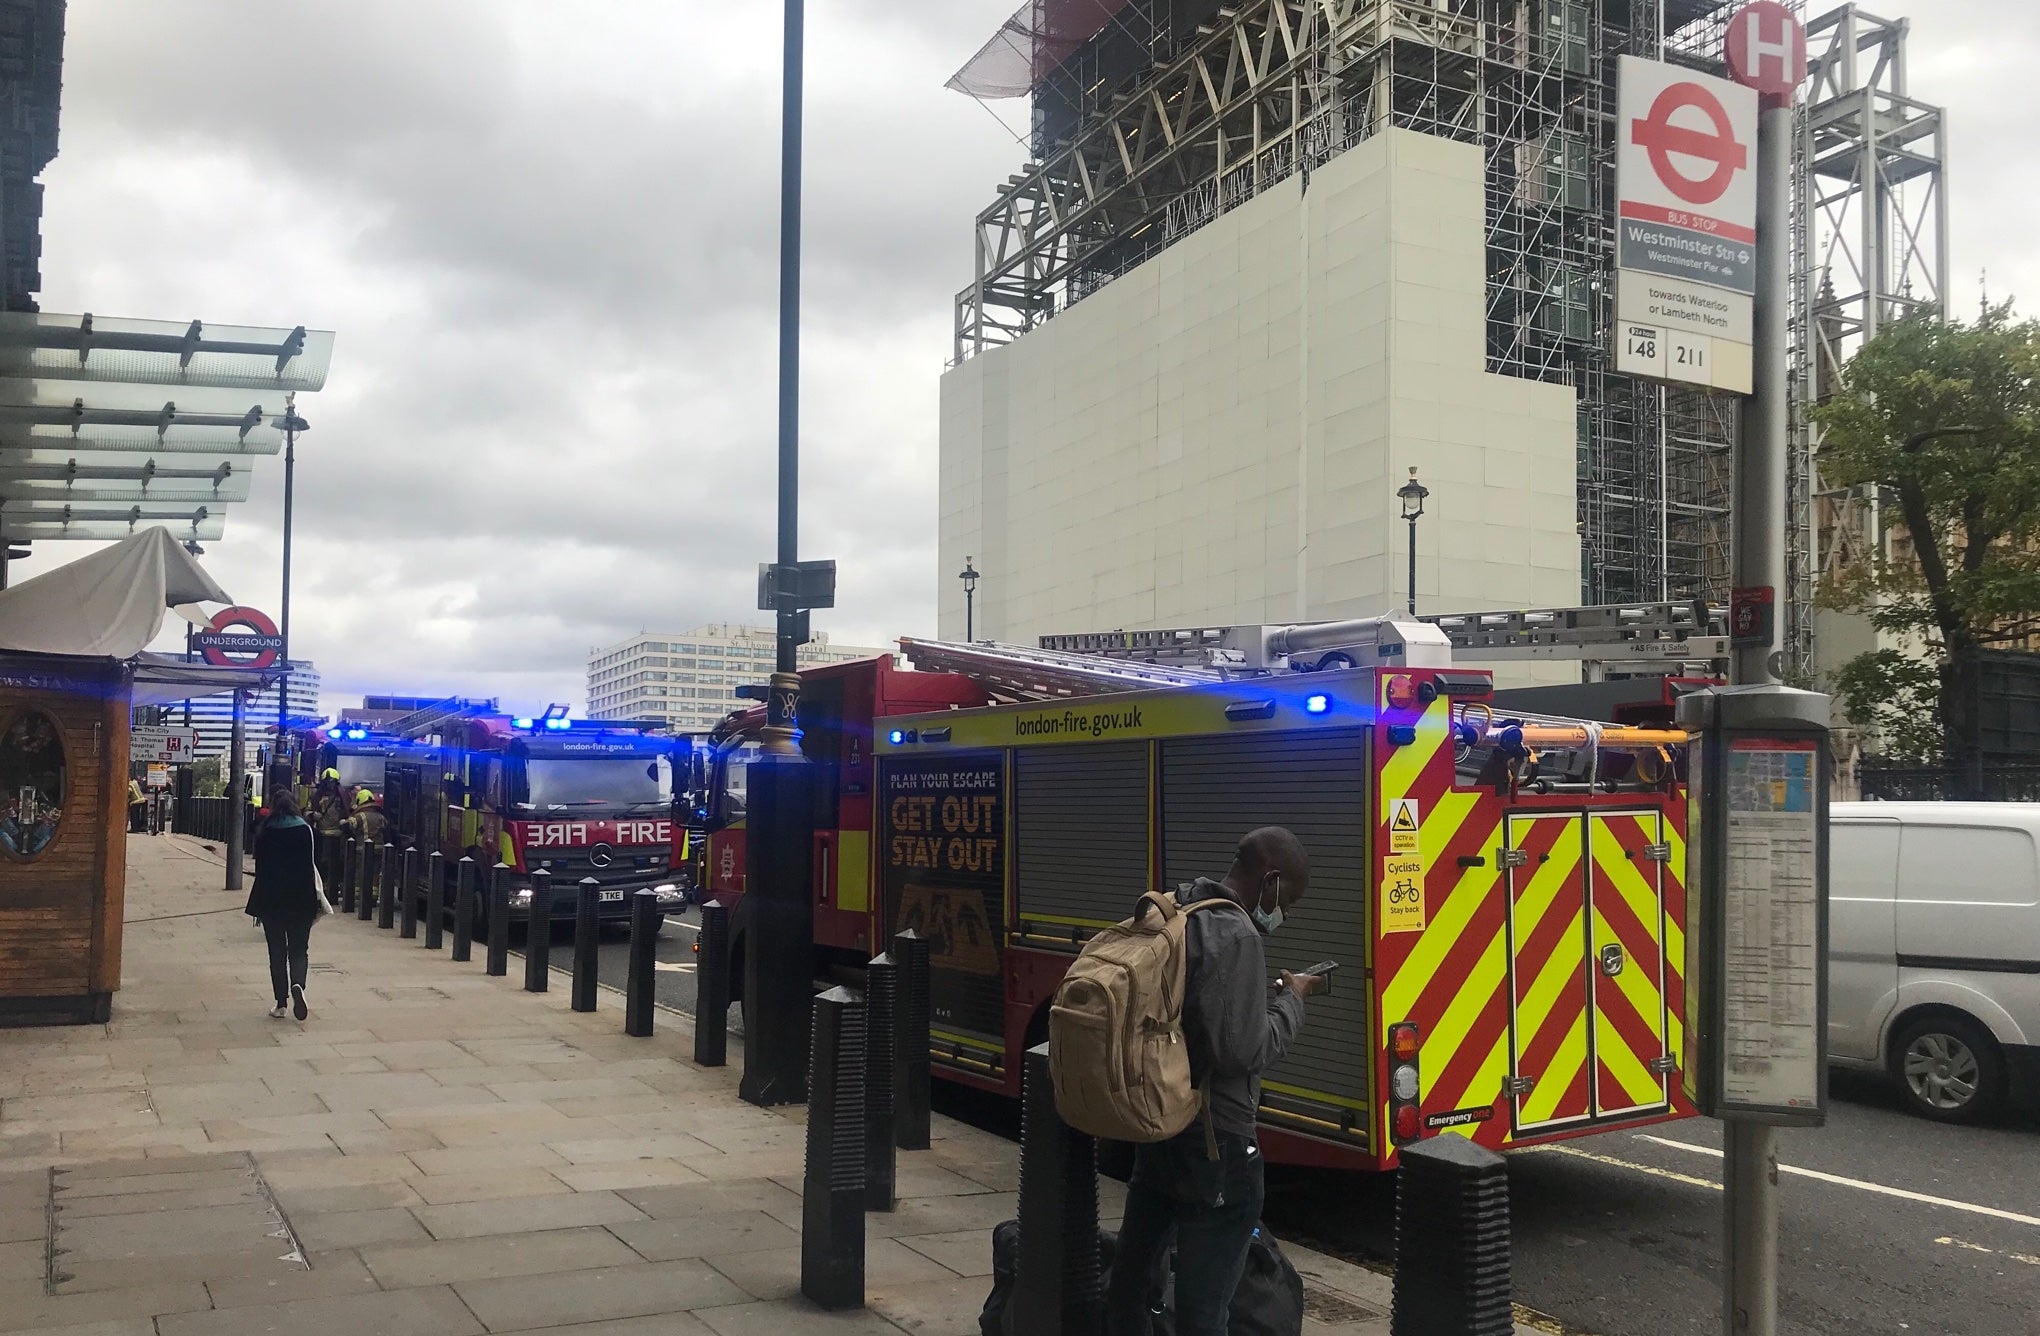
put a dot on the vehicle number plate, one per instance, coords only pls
(613, 895)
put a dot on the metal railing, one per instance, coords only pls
(1997, 784)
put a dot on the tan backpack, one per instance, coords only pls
(1115, 1034)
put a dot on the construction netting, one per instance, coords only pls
(1032, 44)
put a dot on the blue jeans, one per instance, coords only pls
(1211, 1207)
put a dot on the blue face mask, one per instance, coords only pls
(1268, 920)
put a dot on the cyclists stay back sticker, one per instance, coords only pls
(1403, 822)
(1402, 893)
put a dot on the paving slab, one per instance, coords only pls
(590, 1296)
(330, 1273)
(519, 1215)
(775, 1274)
(721, 1233)
(397, 1266)
(422, 1312)
(320, 1231)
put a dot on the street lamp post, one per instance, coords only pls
(1412, 494)
(292, 425)
(969, 576)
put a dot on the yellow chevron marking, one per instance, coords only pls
(1624, 1064)
(1406, 764)
(1558, 1077)
(1483, 981)
(1561, 968)
(1448, 923)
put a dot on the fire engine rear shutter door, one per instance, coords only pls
(1080, 836)
(1214, 790)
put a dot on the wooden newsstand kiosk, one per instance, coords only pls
(63, 841)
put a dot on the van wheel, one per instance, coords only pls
(1950, 1070)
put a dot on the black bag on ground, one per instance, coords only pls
(1006, 1270)
(1268, 1302)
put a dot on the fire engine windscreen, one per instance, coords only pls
(598, 781)
(367, 770)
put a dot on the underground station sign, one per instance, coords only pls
(240, 638)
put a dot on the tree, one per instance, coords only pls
(1944, 420)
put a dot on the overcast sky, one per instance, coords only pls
(546, 235)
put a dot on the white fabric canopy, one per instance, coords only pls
(110, 604)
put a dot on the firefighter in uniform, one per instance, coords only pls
(329, 818)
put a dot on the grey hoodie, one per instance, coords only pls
(1235, 1029)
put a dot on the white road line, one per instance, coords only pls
(1861, 1186)
(2027, 1258)
(1651, 1169)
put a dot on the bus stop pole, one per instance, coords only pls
(1750, 1167)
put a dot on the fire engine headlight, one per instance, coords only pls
(666, 891)
(520, 895)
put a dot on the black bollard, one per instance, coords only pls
(371, 864)
(349, 855)
(499, 920)
(407, 905)
(881, 1039)
(1451, 1241)
(538, 934)
(641, 982)
(587, 934)
(386, 903)
(435, 901)
(910, 1076)
(1058, 1286)
(464, 909)
(832, 1189)
(712, 987)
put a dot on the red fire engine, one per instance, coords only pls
(576, 799)
(1505, 891)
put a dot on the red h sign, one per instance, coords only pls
(1767, 52)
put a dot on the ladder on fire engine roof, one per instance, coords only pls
(1020, 673)
(423, 720)
(1641, 636)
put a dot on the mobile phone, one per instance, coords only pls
(1323, 970)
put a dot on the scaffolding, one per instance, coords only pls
(1872, 249)
(1131, 156)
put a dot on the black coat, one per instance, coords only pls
(285, 889)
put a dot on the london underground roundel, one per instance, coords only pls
(240, 637)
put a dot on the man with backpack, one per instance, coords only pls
(1204, 1182)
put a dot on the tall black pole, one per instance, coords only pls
(789, 331)
(290, 425)
(970, 614)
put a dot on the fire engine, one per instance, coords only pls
(1505, 889)
(574, 798)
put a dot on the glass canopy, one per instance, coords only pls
(108, 425)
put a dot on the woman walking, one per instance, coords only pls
(286, 899)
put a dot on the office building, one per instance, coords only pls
(688, 680)
(213, 716)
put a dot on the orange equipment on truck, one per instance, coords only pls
(1505, 891)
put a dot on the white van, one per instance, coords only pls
(1934, 951)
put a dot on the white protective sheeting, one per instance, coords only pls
(110, 604)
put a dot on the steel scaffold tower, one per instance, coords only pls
(1873, 250)
(1239, 96)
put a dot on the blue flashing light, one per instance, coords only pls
(357, 734)
(526, 722)
(896, 737)
(1317, 704)
(558, 722)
